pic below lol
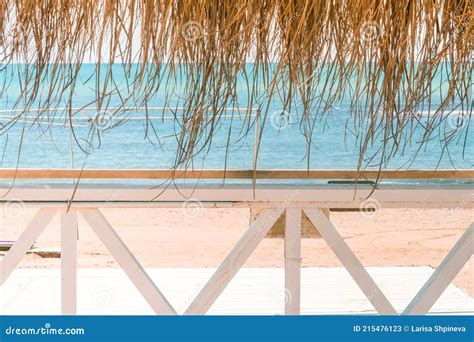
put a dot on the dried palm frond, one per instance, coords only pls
(383, 55)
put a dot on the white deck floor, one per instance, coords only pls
(257, 291)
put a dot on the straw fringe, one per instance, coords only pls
(307, 53)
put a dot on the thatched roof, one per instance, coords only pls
(387, 57)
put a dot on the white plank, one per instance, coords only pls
(127, 261)
(350, 261)
(234, 261)
(68, 262)
(321, 197)
(24, 242)
(293, 262)
(443, 275)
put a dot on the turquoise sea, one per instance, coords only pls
(136, 144)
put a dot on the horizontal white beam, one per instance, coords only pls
(297, 196)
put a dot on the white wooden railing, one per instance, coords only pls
(274, 200)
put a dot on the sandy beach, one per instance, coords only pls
(173, 238)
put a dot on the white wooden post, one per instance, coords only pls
(443, 275)
(350, 262)
(24, 242)
(128, 262)
(234, 261)
(292, 261)
(68, 262)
